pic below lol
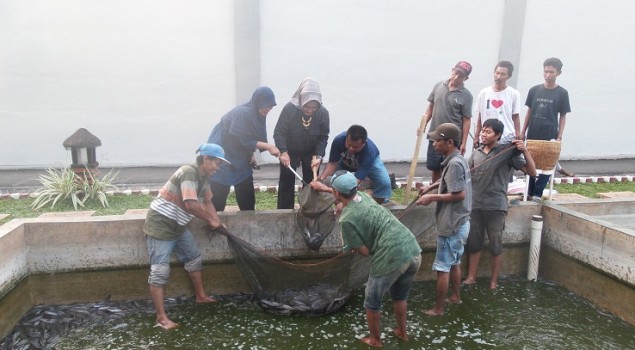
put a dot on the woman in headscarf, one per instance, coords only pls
(301, 135)
(240, 132)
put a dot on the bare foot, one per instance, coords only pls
(372, 342)
(434, 312)
(166, 324)
(452, 299)
(469, 280)
(206, 299)
(493, 285)
(400, 334)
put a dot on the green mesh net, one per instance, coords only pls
(310, 288)
(315, 230)
(314, 220)
(290, 288)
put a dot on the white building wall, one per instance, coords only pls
(376, 61)
(151, 77)
(593, 40)
(145, 76)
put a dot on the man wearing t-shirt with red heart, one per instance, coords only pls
(499, 101)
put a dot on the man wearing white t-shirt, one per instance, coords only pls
(501, 102)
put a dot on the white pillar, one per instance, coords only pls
(534, 247)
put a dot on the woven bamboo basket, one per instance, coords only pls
(544, 153)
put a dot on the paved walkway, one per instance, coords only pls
(137, 178)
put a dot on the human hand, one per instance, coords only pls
(253, 163)
(215, 223)
(273, 150)
(315, 162)
(520, 145)
(338, 208)
(424, 200)
(284, 159)
(462, 149)
(319, 186)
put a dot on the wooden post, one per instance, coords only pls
(314, 169)
(413, 164)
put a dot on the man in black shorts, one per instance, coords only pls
(490, 166)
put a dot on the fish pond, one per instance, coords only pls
(518, 315)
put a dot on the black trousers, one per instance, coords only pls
(245, 194)
(537, 185)
(286, 195)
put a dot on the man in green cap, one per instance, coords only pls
(369, 229)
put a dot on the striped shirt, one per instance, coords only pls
(185, 184)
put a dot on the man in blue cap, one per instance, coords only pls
(369, 229)
(186, 195)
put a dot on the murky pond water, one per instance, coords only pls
(519, 315)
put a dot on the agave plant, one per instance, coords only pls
(61, 185)
(95, 188)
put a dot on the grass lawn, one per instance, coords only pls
(118, 204)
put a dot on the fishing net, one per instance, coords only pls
(413, 220)
(311, 289)
(322, 287)
(315, 230)
(313, 220)
(314, 288)
(314, 203)
(485, 170)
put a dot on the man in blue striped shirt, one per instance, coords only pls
(186, 195)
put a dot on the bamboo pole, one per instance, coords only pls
(413, 164)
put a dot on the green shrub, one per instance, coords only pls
(65, 185)
(96, 188)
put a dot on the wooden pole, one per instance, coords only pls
(315, 169)
(413, 164)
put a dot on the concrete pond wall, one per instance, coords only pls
(83, 259)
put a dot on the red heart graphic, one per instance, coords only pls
(497, 103)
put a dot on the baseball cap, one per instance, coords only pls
(465, 67)
(212, 150)
(445, 131)
(343, 182)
